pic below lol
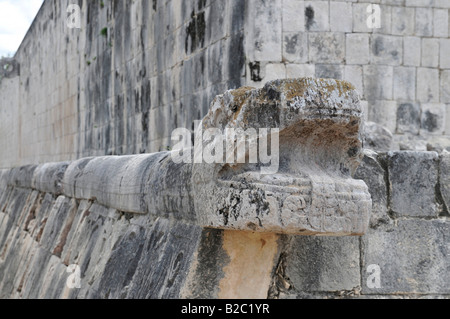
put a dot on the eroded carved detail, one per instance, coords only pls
(311, 193)
(320, 145)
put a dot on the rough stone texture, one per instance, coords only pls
(412, 256)
(373, 173)
(408, 118)
(79, 93)
(377, 137)
(104, 93)
(413, 178)
(304, 117)
(444, 180)
(319, 264)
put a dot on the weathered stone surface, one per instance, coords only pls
(249, 200)
(320, 264)
(412, 256)
(433, 118)
(326, 47)
(47, 178)
(386, 50)
(372, 172)
(444, 179)
(357, 48)
(408, 118)
(305, 112)
(377, 137)
(413, 177)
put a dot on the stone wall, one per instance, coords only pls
(401, 69)
(137, 70)
(44, 230)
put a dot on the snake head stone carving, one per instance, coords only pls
(312, 128)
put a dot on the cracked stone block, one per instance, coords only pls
(413, 177)
(408, 118)
(410, 257)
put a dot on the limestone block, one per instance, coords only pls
(433, 118)
(341, 17)
(386, 50)
(47, 177)
(377, 137)
(408, 118)
(445, 86)
(325, 47)
(21, 176)
(300, 70)
(411, 257)
(402, 21)
(442, 4)
(430, 52)
(264, 31)
(321, 264)
(412, 183)
(329, 71)
(372, 172)
(444, 57)
(357, 48)
(412, 51)
(444, 179)
(404, 83)
(427, 85)
(317, 16)
(293, 16)
(354, 75)
(424, 21)
(378, 82)
(295, 47)
(440, 19)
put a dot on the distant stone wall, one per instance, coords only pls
(137, 70)
(401, 70)
(44, 232)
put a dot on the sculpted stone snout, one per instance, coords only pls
(312, 192)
